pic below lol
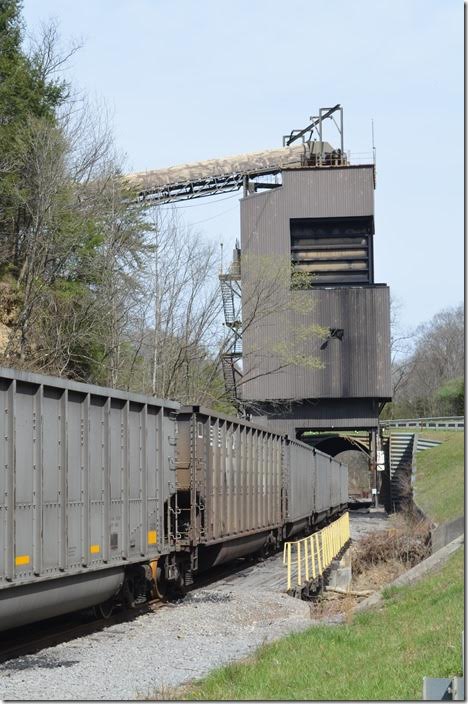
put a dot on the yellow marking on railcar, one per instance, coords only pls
(22, 560)
(152, 537)
(94, 549)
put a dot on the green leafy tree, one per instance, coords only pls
(90, 287)
(450, 397)
(27, 91)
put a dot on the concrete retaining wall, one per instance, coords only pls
(444, 534)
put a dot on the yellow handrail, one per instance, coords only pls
(314, 554)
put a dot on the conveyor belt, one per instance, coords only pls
(214, 176)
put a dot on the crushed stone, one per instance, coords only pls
(167, 648)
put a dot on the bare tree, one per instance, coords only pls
(179, 332)
(77, 252)
(400, 345)
(277, 308)
(438, 357)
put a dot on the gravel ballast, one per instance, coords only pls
(145, 657)
(156, 650)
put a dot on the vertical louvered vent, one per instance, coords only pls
(335, 251)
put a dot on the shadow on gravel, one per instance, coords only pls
(207, 597)
(41, 661)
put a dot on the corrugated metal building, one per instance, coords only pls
(322, 220)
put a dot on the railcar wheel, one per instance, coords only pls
(160, 583)
(128, 592)
(104, 610)
(177, 589)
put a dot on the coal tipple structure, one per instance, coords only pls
(310, 351)
(322, 218)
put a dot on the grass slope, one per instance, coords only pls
(382, 654)
(439, 487)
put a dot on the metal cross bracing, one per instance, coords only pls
(252, 172)
(307, 133)
(174, 192)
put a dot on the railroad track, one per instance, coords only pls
(28, 640)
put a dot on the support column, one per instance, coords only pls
(373, 465)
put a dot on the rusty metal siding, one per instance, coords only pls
(240, 473)
(87, 471)
(318, 193)
(240, 479)
(359, 365)
(356, 367)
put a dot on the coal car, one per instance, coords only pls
(112, 497)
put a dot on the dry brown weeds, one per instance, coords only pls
(405, 543)
(376, 560)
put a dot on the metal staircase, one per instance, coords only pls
(231, 295)
(231, 376)
(426, 444)
(403, 448)
(402, 451)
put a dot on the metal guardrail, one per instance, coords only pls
(436, 423)
(309, 557)
(446, 688)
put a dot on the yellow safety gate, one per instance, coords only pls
(308, 558)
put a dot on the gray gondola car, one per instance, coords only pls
(326, 501)
(335, 483)
(229, 486)
(104, 496)
(344, 484)
(242, 488)
(87, 478)
(300, 481)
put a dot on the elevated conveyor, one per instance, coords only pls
(204, 178)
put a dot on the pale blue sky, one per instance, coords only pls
(196, 79)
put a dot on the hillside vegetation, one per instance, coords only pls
(382, 654)
(439, 487)
(90, 288)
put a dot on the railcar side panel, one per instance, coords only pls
(335, 490)
(323, 491)
(93, 482)
(237, 485)
(301, 480)
(344, 483)
(88, 474)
